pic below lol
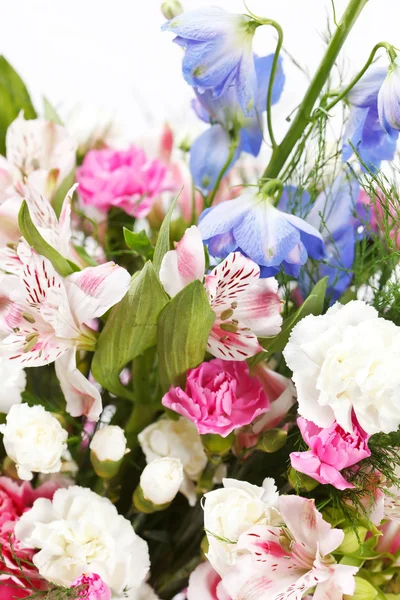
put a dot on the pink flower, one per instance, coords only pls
(283, 563)
(383, 215)
(46, 321)
(123, 178)
(245, 306)
(206, 584)
(15, 499)
(220, 396)
(93, 587)
(331, 450)
(281, 394)
(389, 541)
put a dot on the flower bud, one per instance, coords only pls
(161, 480)
(299, 481)
(216, 445)
(272, 440)
(351, 543)
(364, 591)
(107, 449)
(171, 8)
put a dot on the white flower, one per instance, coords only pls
(13, 382)
(232, 510)
(145, 592)
(109, 443)
(80, 532)
(347, 360)
(389, 99)
(176, 439)
(34, 440)
(161, 479)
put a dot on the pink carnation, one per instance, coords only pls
(15, 499)
(126, 179)
(331, 450)
(220, 396)
(92, 587)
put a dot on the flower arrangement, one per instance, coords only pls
(200, 353)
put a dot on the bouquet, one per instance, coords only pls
(200, 342)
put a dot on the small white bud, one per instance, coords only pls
(109, 443)
(161, 480)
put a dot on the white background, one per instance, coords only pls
(110, 56)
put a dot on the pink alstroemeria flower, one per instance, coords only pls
(283, 563)
(245, 306)
(206, 584)
(46, 321)
(331, 450)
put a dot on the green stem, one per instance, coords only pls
(281, 153)
(232, 149)
(343, 94)
(272, 77)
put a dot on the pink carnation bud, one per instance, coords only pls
(220, 396)
(93, 587)
(331, 450)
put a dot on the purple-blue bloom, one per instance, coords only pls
(218, 52)
(364, 131)
(210, 151)
(389, 99)
(252, 225)
(334, 214)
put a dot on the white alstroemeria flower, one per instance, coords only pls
(80, 532)
(46, 321)
(176, 439)
(232, 510)
(347, 361)
(245, 306)
(34, 440)
(389, 99)
(39, 145)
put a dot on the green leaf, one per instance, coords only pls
(14, 97)
(50, 113)
(63, 266)
(62, 191)
(183, 330)
(163, 242)
(139, 242)
(131, 329)
(312, 305)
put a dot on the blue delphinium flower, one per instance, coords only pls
(210, 151)
(252, 225)
(218, 52)
(334, 214)
(389, 99)
(364, 131)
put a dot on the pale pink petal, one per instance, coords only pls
(9, 229)
(38, 276)
(287, 587)
(81, 396)
(92, 291)
(230, 345)
(308, 527)
(260, 308)
(10, 261)
(185, 264)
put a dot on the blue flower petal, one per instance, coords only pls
(309, 235)
(224, 216)
(263, 66)
(208, 156)
(251, 137)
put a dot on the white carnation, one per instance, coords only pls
(176, 439)
(13, 382)
(34, 440)
(80, 532)
(161, 480)
(345, 360)
(109, 443)
(232, 510)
